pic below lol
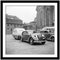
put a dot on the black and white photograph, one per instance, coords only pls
(30, 30)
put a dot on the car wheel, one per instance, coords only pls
(31, 41)
(16, 37)
(19, 37)
(22, 39)
(43, 43)
(52, 39)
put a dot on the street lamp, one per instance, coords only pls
(35, 26)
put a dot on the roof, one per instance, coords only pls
(13, 19)
(47, 27)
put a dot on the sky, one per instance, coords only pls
(25, 13)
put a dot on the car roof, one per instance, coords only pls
(48, 28)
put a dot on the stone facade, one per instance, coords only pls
(45, 16)
(12, 22)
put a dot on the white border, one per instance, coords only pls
(4, 21)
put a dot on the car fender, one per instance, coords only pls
(35, 38)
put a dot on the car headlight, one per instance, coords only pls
(42, 35)
(34, 35)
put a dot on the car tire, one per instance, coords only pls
(31, 41)
(43, 43)
(22, 39)
(16, 37)
(19, 37)
(52, 39)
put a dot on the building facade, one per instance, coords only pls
(45, 16)
(12, 22)
(27, 26)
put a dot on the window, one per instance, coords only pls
(34, 32)
(25, 33)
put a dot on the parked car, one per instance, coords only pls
(46, 34)
(32, 37)
(49, 29)
(50, 33)
(17, 33)
(51, 38)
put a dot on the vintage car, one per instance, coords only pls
(45, 33)
(17, 32)
(51, 38)
(49, 34)
(32, 37)
(49, 29)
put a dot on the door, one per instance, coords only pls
(25, 35)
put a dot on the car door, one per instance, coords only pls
(25, 35)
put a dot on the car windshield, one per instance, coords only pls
(34, 32)
(43, 31)
(51, 30)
